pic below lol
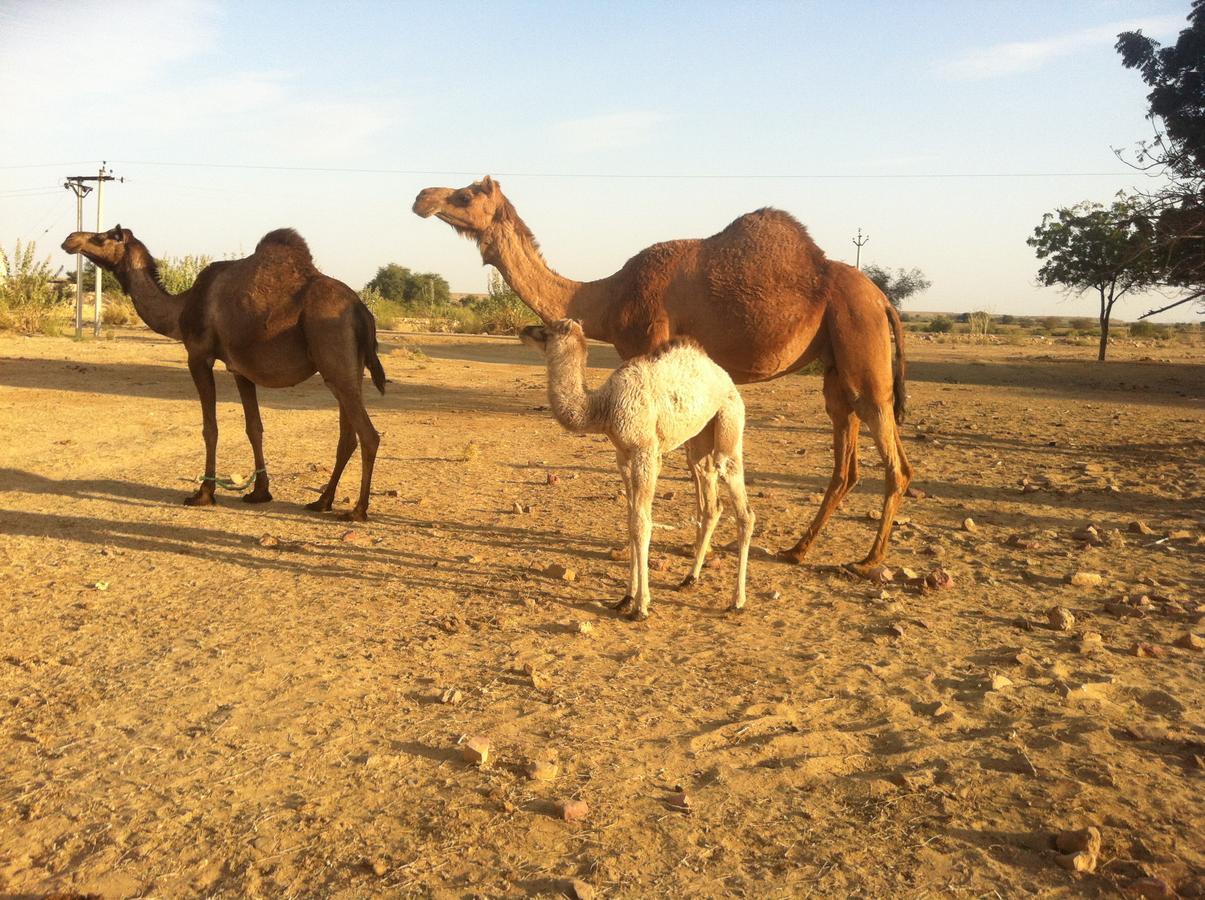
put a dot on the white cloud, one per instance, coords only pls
(613, 131)
(1015, 57)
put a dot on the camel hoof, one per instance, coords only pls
(859, 569)
(319, 506)
(200, 500)
(624, 605)
(636, 614)
(793, 555)
(355, 515)
(736, 609)
(256, 497)
(688, 583)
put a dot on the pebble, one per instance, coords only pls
(378, 867)
(1190, 641)
(1085, 579)
(1060, 619)
(476, 750)
(1141, 649)
(915, 493)
(1077, 862)
(680, 801)
(540, 680)
(880, 574)
(999, 682)
(896, 630)
(618, 553)
(1140, 527)
(542, 770)
(558, 571)
(579, 890)
(1091, 642)
(968, 524)
(940, 579)
(585, 628)
(451, 696)
(574, 810)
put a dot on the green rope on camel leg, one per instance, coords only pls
(227, 485)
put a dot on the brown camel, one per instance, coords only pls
(760, 297)
(274, 320)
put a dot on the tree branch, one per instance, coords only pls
(1187, 299)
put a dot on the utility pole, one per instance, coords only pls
(76, 186)
(75, 183)
(860, 242)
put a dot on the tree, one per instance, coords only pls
(1092, 247)
(108, 281)
(898, 286)
(390, 282)
(1176, 76)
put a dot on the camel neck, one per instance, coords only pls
(550, 295)
(572, 403)
(156, 307)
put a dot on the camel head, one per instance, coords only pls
(555, 338)
(471, 210)
(108, 249)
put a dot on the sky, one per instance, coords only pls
(944, 130)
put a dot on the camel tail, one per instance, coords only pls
(366, 334)
(900, 403)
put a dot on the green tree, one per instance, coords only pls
(1092, 247)
(108, 281)
(1176, 76)
(178, 273)
(427, 289)
(898, 285)
(390, 282)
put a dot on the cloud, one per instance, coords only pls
(613, 131)
(1016, 57)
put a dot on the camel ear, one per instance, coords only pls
(489, 186)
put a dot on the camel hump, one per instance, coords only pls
(287, 238)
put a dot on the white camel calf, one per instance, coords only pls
(647, 407)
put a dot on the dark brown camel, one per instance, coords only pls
(274, 320)
(760, 297)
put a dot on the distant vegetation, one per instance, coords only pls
(396, 295)
(898, 285)
(28, 293)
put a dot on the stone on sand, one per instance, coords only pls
(476, 750)
(1060, 619)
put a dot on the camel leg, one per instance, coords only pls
(255, 434)
(897, 474)
(627, 604)
(707, 502)
(645, 466)
(845, 463)
(730, 463)
(347, 443)
(351, 402)
(202, 376)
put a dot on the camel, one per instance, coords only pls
(759, 297)
(274, 320)
(650, 406)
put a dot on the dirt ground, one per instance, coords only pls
(247, 700)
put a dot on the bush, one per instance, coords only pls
(28, 297)
(940, 325)
(389, 315)
(118, 310)
(1147, 330)
(499, 312)
(178, 273)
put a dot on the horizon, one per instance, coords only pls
(944, 138)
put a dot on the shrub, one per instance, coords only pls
(940, 325)
(28, 297)
(118, 310)
(178, 273)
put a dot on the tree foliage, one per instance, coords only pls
(898, 285)
(1110, 250)
(1176, 76)
(414, 290)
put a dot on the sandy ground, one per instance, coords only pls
(188, 708)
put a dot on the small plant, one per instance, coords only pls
(981, 324)
(940, 325)
(28, 295)
(118, 310)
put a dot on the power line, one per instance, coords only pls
(349, 170)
